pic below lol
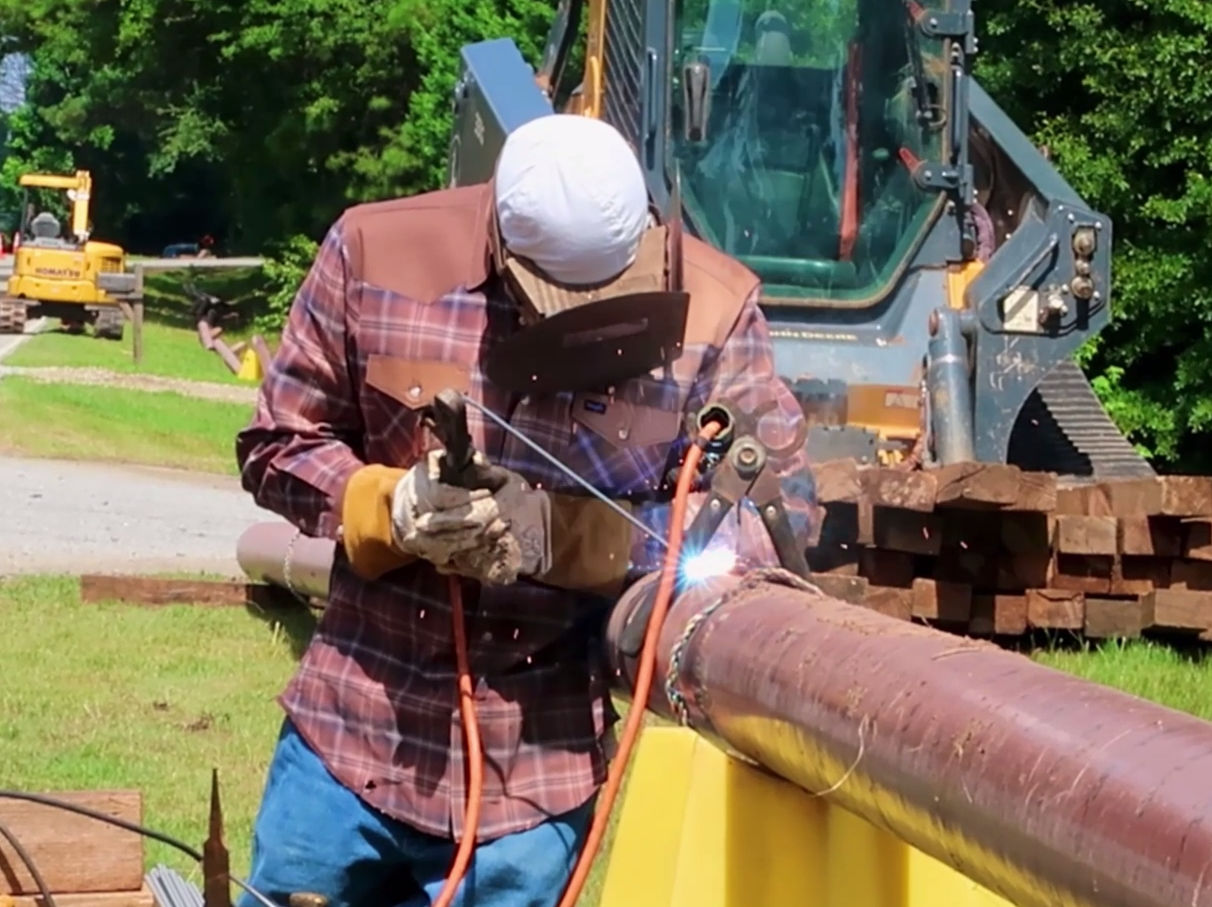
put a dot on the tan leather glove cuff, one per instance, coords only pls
(366, 522)
(590, 546)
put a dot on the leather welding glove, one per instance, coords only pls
(517, 543)
(435, 521)
(567, 541)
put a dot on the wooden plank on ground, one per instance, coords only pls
(1082, 573)
(907, 490)
(1194, 575)
(1055, 609)
(149, 590)
(1196, 539)
(1023, 533)
(1002, 614)
(1114, 618)
(1139, 575)
(844, 525)
(1031, 570)
(887, 568)
(1037, 492)
(141, 898)
(893, 602)
(1075, 500)
(907, 531)
(1151, 536)
(74, 853)
(972, 530)
(851, 589)
(1115, 497)
(1186, 495)
(939, 600)
(834, 561)
(837, 481)
(1178, 609)
(1087, 535)
(979, 484)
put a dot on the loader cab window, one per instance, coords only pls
(798, 163)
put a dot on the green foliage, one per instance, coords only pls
(284, 273)
(257, 121)
(252, 120)
(30, 147)
(1121, 93)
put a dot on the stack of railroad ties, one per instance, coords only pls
(987, 549)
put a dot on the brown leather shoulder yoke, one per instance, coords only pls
(424, 246)
(718, 286)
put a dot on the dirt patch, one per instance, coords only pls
(202, 390)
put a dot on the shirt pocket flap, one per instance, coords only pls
(625, 424)
(413, 382)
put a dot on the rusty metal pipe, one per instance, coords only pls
(267, 552)
(1048, 790)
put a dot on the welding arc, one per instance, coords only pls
(134, 827)
(44, 892)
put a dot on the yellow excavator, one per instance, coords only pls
(73, 278)
(927, 273)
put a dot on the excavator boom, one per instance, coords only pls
(927, 274)
(79, 189)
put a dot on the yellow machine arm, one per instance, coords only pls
(80, 188)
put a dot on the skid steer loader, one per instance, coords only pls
(73, 278)
(927, 273)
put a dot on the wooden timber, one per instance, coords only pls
(991, 550)
(84, 862)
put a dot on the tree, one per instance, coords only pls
(1121, 92)
(253, 120)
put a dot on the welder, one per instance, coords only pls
(459, 289)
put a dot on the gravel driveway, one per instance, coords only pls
(74, 517)
(61, 516)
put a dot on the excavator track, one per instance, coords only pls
(1063, 428)
(110, 324)
(12, 316)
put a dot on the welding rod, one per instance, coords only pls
(568, 471)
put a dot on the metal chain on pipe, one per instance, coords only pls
(288, 563)
(775, 575)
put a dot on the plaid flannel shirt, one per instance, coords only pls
(375, 693)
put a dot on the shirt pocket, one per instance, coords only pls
(621, 446)
(395, 393)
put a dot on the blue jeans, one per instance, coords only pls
(313, 834)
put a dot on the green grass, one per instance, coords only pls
(85, 422)
(1145, 668)
(170, 341)
(112, 696)
(107, 696)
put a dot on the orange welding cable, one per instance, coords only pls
(647, 668)
(635, 717)
(473, 748)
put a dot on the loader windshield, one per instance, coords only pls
(799, 161)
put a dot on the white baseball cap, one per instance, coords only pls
(571, 198)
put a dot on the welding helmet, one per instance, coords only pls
(582, 253)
